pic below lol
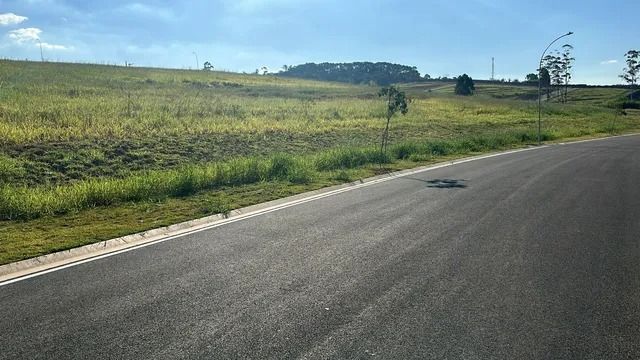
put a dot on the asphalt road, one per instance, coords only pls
(532, 255)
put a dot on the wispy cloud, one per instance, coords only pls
(11, 19)
(608, 62)
(48, 46)
(25, 35)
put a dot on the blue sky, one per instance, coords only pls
(440, 37)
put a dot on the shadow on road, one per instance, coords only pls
(443, 183)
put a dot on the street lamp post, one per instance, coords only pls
(41, 54)
(197, 62)
(540, 84)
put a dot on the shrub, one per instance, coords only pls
(404, 150)
(438, 148)
(419, 157)
(342, 175)
(464, 85)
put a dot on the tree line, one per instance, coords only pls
(380, 73)
(555, 73)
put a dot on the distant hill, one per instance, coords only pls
(380, 73)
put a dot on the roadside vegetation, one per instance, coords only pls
(92, 152)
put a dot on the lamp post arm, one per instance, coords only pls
(545, 50)
(540, 84)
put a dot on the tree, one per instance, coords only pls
(553, 64)
(531, 77)
(465, 85)
(427, 77)
(396, 102)
(566, 63)
(207, 66)
(264, 70)
(558, 67)
(632, 71)
(545, 80)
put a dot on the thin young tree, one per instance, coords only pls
(545, 80)
(396, 102)
(566, 65)
(631, 73)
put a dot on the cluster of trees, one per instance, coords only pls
(531, 77)
(555, 73)
(380, 73)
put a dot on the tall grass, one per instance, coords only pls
(62, 102)
(46, 105)
(10, 169)
(28, 203)
(347, 158)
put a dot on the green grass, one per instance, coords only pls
(23, 203)
(92, 152)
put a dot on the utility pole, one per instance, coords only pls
(41, 54)
(493, 69)
(197, 62)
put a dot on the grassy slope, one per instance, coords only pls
(65, 125)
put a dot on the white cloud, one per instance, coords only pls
(608, 62)
(25, 35)
(11, 19)
(55, 47)
(32, 36)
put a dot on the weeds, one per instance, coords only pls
(10, 169)
(218, 205)
(343, 176)
(33, 202)
(348, 158)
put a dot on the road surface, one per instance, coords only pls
(530, 255)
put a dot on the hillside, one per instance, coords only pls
(91, 152)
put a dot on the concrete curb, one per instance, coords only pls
(46, 263)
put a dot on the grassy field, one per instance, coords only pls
(92, 152)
